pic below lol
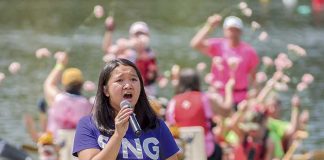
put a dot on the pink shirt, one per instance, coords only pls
(248, 62)
(66, 111)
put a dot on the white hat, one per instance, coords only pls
(233, 21)
(138, 27)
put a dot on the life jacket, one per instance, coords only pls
(189, 110)
(148, 68)
(250, 150)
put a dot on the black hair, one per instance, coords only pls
(74, 88)
(104, 114)
(258, 118)
(188, 81)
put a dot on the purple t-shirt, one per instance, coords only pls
(153, 144)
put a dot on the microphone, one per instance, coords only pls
(133, 121)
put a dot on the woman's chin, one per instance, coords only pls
(133, 101)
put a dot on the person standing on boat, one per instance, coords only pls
(67, 106)
(224, 50)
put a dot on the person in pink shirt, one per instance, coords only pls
(66, 106)
(231, 56)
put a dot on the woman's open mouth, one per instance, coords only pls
(127, 95)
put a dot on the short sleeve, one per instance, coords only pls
(214, 47)
(207, 107)
(277, 126)
(85, 138)
(168, 146)
(254, 59)
(169, 115)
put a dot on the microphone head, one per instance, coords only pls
(125, 103)
(138, 133)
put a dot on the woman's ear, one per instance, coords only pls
(105, 89)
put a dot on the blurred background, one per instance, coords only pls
(70, 25)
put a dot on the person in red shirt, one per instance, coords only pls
(146, 61)
(192, 107)
(136, 48)
(256, 142)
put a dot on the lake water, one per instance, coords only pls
(60, 25)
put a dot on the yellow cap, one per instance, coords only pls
(72, 75)
(46, 138)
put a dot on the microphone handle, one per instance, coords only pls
(135, 126)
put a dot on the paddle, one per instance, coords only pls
(29, 148)
(300, 135)
(12, 153)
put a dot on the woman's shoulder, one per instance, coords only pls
(87, 118)
(86, 121)
(161, 124)
(88, 126)
(159, 130)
